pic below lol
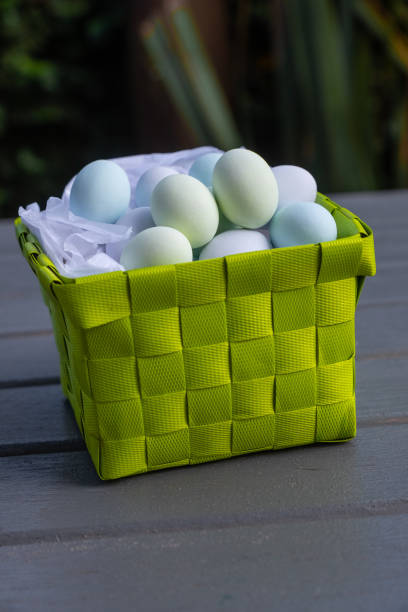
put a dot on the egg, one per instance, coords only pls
(136, 218)
(147, 183)
(295, 184)
(302, 223)
(203, 167)
(235, 241)
(156, 246)
(224, 223)
(100, 192)
(183, 202)
(245, 188)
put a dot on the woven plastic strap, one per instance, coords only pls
(182, 364)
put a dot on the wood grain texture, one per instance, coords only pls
(21, 303)
(371, 206)
(381, 329)
(37, 419)
(389, 285)
(330, 564)
(60, 495)
(381, 390)
(28, 357)
(387, 214)
(23, 312)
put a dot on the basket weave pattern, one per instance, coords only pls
(188, 363)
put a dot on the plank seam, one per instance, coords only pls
(349, 511)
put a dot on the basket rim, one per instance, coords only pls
(34, 253)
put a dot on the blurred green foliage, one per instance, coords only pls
(63, 99)
(319, 83)
(326, 83)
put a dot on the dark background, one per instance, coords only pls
(318, 83)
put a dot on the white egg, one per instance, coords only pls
(295, 184)
(203, 167)
(147, 183)
(100, 192)
(245, 188)
(156, 246)
(184, 203)
(136, 218)
(302, 223)
(235, 241)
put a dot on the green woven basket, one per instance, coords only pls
(187, 363)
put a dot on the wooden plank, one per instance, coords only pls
(389, 285)
(21, 303)
(20, 313)
(387, 214)
(39, 417)
(59, 493)
(28, 357)
(381, 391)
(8, 240)
(373, 206)
(17, 273)
(391, 245)
(330, 564)
(381, 330)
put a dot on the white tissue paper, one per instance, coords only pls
(77, 246)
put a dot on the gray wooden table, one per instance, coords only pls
(317, 528)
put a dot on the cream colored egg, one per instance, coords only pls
(156, 246)
(245, 188)
(183, 202)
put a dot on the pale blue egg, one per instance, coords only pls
(148, 181)
(138, 219)
(302, 223)
(100, 192)
(203, 168)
